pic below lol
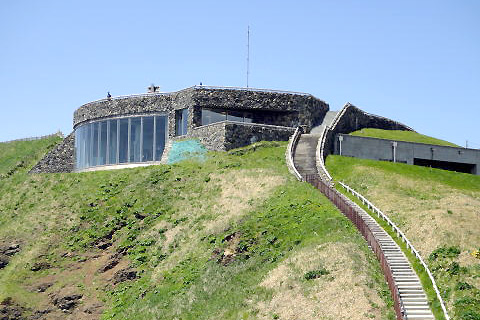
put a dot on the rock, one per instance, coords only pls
(9, 310)
(42, 265)
(65, 301)
(43, 286)
(3, 261)
(9, 249)
(124, 275)
(95, 308)
(102, 245)
(40, 314)
(113, 260)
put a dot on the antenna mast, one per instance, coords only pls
(248, 53)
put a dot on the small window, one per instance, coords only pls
(181, 122)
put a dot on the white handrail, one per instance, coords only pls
(402, 236)
(319, 154)
(289, 154)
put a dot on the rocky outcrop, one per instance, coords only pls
(59, 159)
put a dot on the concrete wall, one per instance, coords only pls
(406, 152)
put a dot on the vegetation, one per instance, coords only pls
(231, 236)
(23, 154)
(401, 135)
(438, 212)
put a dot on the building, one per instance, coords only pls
(137, 129)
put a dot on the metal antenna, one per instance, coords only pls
(248, 53)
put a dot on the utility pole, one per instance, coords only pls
(248, 53)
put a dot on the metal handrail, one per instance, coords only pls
(352, 211)
(402, 236)
(292, 143)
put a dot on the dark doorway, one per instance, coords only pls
(446, 165)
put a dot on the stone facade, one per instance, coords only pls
(59, 159)
(239, 135)
(291, 109)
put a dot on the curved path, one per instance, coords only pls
(413, 302)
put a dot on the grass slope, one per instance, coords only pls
(21, 154)
(231, 237)
(401, 135)
(439, 212)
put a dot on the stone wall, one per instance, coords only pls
(59, 159)
(212, 136)
(291, 109)
(239, 135)
(354, 119)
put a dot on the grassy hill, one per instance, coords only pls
(439, 211)
(231, 237)
(400, 135)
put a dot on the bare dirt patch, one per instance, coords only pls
(346, 292)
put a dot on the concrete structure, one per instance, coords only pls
(442, 157)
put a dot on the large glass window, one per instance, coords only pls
(112, 141)
(102, 147)
(160, 136)
(213, 116)
(147, 141)
(133, 139)
(123, 143)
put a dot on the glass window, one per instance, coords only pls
(211, 116)
(235, 116)
(160, 136)
(135, 139)
(95, 137)
(147, 141)
(102, 147)
(123, 143)
(248, 117)
(181, 122)
(112, 141)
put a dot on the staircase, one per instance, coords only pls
(410, 290)
(304, 157)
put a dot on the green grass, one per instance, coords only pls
(419, 191)
(401, 135)
(21, 154)
(160, 217)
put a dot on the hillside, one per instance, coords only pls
(409, 136)
(439, 211)
(233, 236)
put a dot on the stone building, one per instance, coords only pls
(136, 129)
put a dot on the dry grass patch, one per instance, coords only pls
(345, 293)
(430, 215)
(239, 189)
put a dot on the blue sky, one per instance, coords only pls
(417, 62)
